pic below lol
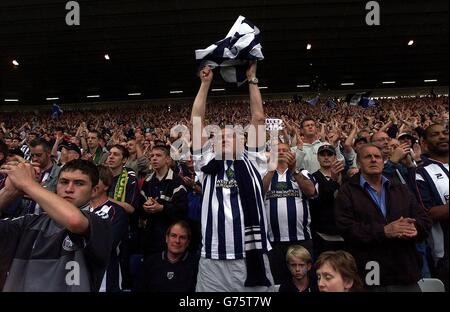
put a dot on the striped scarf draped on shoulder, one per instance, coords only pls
(254, 251)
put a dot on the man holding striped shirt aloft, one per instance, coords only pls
(287, 192)
(234, 239)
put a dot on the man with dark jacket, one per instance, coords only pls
(381, 222)
(329, 178)
(163, 200)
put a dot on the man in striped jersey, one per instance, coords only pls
(235, 245)
(287, 192)
(432, 186)
(26, 147)
(105, 208)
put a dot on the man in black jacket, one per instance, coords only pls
(174, 269)
(163, 200)
(329, 178)
(381, 223)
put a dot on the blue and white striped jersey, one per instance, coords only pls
(288, 209)
(222, 216)
(432, 184)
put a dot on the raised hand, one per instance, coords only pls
(416, 151)
(206, 74)
(400, 152)
(21, 175)
(336, 170)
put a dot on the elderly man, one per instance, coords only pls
(395, 157)
(381, 221)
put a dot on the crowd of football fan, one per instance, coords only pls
(116, 165)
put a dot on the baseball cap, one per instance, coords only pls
(69, 146)
(327, 147)
(359, 139)
(405, 135)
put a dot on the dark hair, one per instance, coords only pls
(343, 263)
(307, 118)
(86, 167)
(16, 151)
(105, 175)
(122, 149)
(183, 224)
(427, 131)
(163, 148)
(159, 142)
(41, 142)
(97, 133)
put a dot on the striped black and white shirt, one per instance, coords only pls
(432, 184)
(288, 208)
(222, 215)
(26, 152)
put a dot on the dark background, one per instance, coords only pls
(152, 43)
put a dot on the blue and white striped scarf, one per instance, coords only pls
(232, 53)
(254, 237)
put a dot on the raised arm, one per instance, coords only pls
(256, 106)
(199, 106)
(349, 141)
(22, 177)
(58, 139)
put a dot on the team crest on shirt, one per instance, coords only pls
(282, 186)
(67, 244)
(170, 275)
(103, 212)
(439, 176)
(230, 173)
